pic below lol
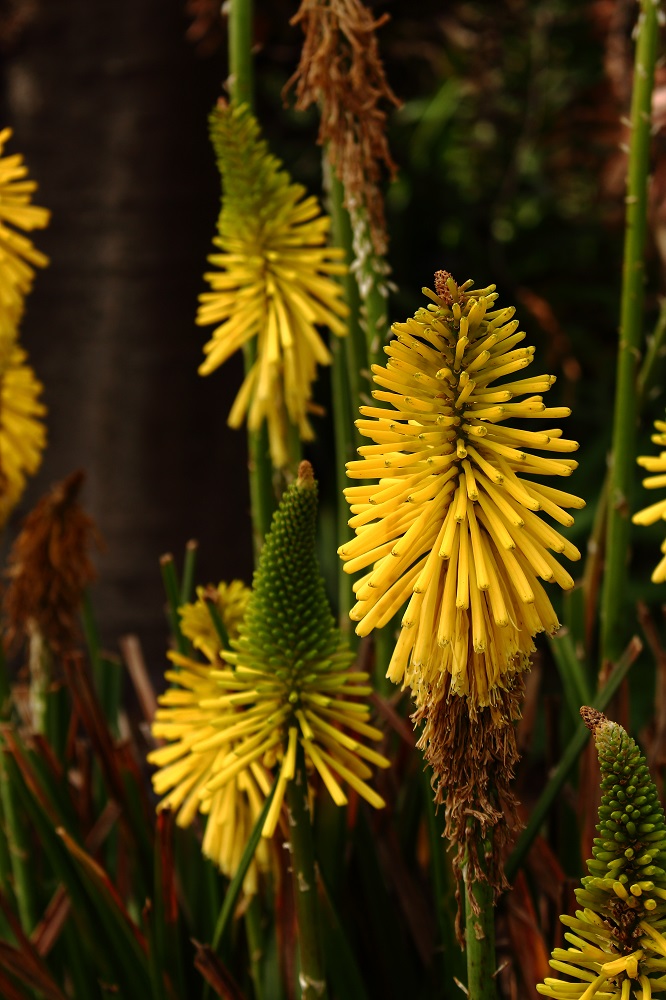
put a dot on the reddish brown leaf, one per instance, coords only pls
(529, 951)
(216, 974)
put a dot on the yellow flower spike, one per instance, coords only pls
(274, 282)
(18, 257)
(656, 511)
(455, 499)
(22, 430)
(190, 716)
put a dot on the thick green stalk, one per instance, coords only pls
(480, 940)
(313, 976)
(622, 470)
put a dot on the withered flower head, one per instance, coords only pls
(50, 567)
(341, 69)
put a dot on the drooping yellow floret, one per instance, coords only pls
(454, 526)
(272, 282)
(656, 511)
(18, 257)
(22, 431)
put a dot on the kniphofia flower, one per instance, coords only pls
(454, 526)
(272, 284)
(617, 939)
(289, 673)
(656, 511)
(22, 430)
(184, 719)
(287, 680)
(18, 257)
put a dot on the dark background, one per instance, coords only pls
(511, 171)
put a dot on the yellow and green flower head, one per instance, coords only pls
(184, 719)
(617, 943)
(454, 526)
(18, 257)
(290, 673)
(273, 282)
(656, 511)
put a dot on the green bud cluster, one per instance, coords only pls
(629, 855)
(288, 626)
(617, 944)
(252, 177)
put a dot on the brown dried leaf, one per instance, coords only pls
(49, 568)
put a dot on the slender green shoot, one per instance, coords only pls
(622, 463)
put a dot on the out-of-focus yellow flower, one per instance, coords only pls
(656, 511)
(454, 527)
(186, 718)
(22, 431)
(291, 675)
(272, 282)
(18, 257)
(197, 625)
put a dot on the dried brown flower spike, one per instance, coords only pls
(341, 69)
(49, 569)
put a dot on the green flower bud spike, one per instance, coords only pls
(618, 947)
(289, 673)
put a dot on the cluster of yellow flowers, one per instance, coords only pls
(22, 432)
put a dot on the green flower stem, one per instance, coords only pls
(622, 471)
(313, 976)
(241, 88)
(349, 359)
(567, 760)
(480, 939)
(344, 431)
(241, 75)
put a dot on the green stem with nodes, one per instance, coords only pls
(631, 330)
(313, 975)
(240, 83)
(480, 938)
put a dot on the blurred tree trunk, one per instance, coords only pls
(109, 105)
